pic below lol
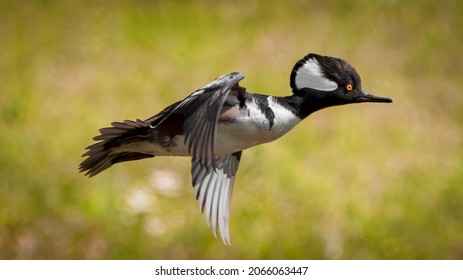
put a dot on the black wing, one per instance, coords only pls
(213, 190)
(201, 111)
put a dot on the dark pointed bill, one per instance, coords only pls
(366, 97)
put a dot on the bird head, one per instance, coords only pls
(328, 81)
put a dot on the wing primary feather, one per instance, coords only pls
(209, 198)
(204, 190)
(214, 188)
(227, 209)
(223, 213)
(214, 206)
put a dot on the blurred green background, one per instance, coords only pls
(369, 181)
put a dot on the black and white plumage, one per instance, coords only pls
(214, 124)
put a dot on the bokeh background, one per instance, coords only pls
(367, 181)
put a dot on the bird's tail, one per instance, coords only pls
(104, 153)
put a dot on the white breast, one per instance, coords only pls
(252, 127)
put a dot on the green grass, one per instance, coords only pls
(370, 181)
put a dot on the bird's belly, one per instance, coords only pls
(233, 137)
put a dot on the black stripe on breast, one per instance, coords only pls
(242, 95)
(262, 104)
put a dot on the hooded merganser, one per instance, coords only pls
(214, 124)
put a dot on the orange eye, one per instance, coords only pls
(349, 87)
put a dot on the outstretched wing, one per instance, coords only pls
(201, 111)
(213, 190)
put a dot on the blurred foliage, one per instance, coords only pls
(370, 181)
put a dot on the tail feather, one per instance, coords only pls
(103, 154)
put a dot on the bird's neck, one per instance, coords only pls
(303, 104)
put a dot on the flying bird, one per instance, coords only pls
(214, 124)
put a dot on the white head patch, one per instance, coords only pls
(310, 75)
